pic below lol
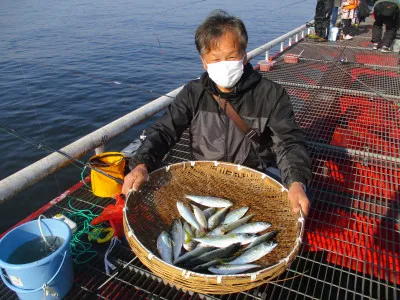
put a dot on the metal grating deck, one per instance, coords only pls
(350, 116)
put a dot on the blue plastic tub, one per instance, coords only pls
(48, 278)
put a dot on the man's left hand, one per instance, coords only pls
(298, 198)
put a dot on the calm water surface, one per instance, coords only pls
(57, 59)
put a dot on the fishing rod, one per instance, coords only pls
(41, 145)
(179, 6)
(102, 80)
(294, 3)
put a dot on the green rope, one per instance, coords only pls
(83, 179)
(79, 245)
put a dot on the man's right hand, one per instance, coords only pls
(135, 179)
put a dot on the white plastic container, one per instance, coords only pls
(333, 33)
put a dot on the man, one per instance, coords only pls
(221, 41)
(323, 12)
(385, 12)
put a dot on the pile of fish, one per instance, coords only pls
(217, 241)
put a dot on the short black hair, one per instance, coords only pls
(215, 26)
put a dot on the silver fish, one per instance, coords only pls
(210, 201)
(216, 231)
(231, 226)
(176, 233)
(164, 246)
(263, 238)
(222, 241)
(231, 269)
(224, 228)
(216, 254)
(254, 253)
(254, 227)
(235, 215)
(188, 234)
(198, 233)
(217, 218)
(205, 266)
(209, 212)
(192, 254)
(200, 217)
(187, 214)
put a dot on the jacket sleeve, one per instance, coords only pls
(289, 143)
(163, 135)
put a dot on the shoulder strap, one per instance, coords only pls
(237, 120)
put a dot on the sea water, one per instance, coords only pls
(35, 250)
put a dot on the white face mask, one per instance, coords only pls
(226, 73)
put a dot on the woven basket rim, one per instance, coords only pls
(151, 255)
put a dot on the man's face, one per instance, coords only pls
(227, 48)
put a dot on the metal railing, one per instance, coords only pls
(19, 181)
(291, 37)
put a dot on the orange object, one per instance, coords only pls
(291, 58)
(352, 5)
(266, 65)
(113, 214)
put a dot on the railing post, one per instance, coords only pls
(302, 34)
(290, 41)
(297, 37)
(99, 149)
(267, 55)
(282, 46)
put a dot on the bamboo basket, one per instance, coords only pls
(151, 210)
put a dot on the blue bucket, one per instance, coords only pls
(48, 278)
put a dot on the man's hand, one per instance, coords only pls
(135, 179)
(298, 198)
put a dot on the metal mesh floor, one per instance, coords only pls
(351, 250)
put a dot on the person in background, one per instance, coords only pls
(348, 11)
(323, 12)
(335, 11)
(385, 12)
(230, 79)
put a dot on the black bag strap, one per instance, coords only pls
(237, 119)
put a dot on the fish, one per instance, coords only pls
(187, 214)
(254, 253)
(216, 231)
(188, 234)
(254, 227)
(200, 217)
(208, 212)
(231, 226)
(164, 246)
(235, 215)
(176, 233)
(210, 201)
(217, 218)
(222, 241)
(218, 253)
(192, 254)
(263, 238)
(205, 266)
(198, 233)
(231, 269)
(224, 228)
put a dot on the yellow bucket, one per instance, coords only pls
(112, 163)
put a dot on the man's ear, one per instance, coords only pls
(204, 63)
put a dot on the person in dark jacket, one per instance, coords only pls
(323, 12)
(264, 105)
(385, 12)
